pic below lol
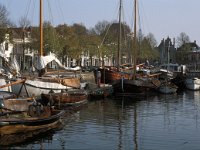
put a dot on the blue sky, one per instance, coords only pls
(163, 18)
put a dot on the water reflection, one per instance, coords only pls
(154, 122)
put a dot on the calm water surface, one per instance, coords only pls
(161, 122)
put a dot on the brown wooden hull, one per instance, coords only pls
(65, 98)
(67, 81)
(19, 123)
(109, 76)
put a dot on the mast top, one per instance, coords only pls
(41, 29)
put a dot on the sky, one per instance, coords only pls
(163, 18)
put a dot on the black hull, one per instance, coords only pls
(134, 87)
(179, 81)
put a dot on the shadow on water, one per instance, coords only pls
(29, 137)
(23, 139)
(128, 122)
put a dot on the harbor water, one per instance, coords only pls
(159, 122)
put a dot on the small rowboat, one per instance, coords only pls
(37, 118)
(65, 98)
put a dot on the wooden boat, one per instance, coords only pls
(25, 117)
(131, 79)
(36, 119)
(62, 99)
(22, 115)
(109, 74)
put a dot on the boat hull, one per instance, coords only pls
(192, 83)
(64, 99)
(37, 87)
(109, 76)
(13, 125)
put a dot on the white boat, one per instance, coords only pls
(192, 83)
(37, 86)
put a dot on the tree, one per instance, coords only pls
(182, 38)
(51, 42)
(68, 41)
(50, 38)
(101, 27)
(110, 39)
(81, 33)
(24, 22)
(24, 26)
(152, 41)
(4, 22)
(93, 42)
(145, 47)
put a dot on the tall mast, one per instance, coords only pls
(119, 37)
(41, 29)
(135, 39)
(41, 71)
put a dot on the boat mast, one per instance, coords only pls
(40, 53)
(119, 37)
(135, 39)
(41, 30)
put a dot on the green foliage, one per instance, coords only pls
(51, 42)
(146, 51)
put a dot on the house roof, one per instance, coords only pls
(190, 45)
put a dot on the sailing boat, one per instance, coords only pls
(110, 74)
(167, 87)
(129, 83)
(37, 86)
